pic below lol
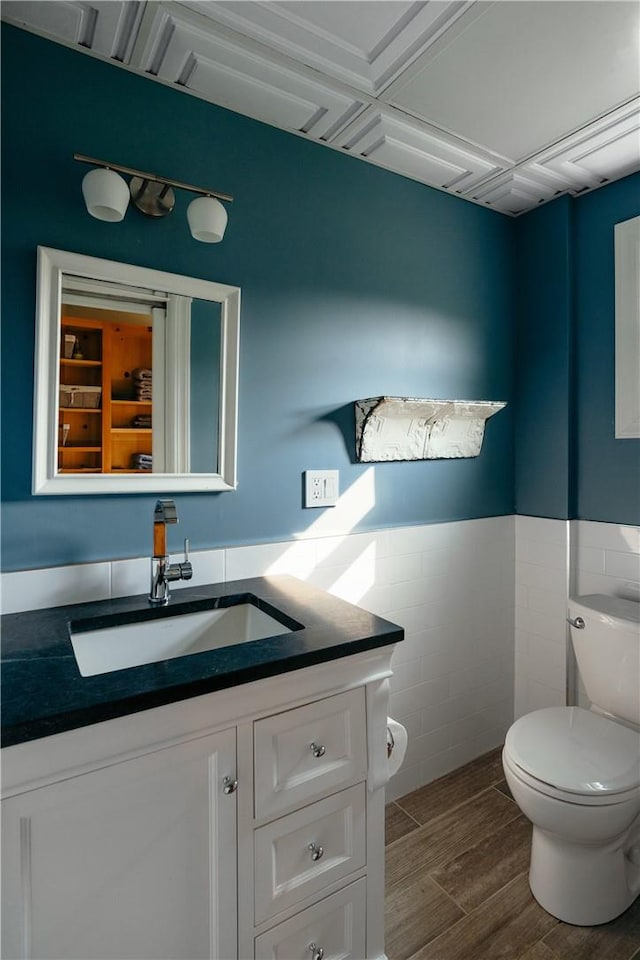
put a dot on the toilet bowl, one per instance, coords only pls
(576, 776)
(575, 773)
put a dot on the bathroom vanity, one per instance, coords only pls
(228, 803)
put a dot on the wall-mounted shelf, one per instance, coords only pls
(408, 428)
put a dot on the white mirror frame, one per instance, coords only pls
(627, 270)
(52, 264)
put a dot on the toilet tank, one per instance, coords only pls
(608, 653)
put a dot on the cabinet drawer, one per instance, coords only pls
(336, 926)
(299, 855)
(309, 751)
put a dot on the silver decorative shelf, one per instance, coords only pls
(407, 428)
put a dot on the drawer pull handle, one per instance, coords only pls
(317, 952)
(316, 851)
(317, 750)
(229, 785)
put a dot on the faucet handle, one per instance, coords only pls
(165, 511)
(186, 570)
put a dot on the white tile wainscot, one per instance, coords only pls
(607, 559)
(451, 588)
(54, 586)
(540, 613)
(450, 585)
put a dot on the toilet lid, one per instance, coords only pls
(576, 750)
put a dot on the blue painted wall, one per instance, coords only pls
(607, 470)
(355, 282)
(543, 355)
(568, 462)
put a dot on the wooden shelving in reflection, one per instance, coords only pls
(70, 362)
(104, 439)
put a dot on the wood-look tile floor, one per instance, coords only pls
(457, 888)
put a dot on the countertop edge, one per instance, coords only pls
(34, 675)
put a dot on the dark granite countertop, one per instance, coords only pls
(43, 692)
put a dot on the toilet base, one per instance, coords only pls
(580, 884)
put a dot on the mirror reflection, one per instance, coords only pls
(139, 381)
(136, 379)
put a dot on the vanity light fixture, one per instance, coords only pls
(107, 194)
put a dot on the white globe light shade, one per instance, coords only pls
(207, 219)
(106, 195)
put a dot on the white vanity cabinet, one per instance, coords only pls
(246, 823)
(125, 861)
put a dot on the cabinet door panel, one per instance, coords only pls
(136, 860)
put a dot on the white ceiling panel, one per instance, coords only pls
(506, 104)
(606, 150)
(515, 192)
(393, 142)
(524, 74)
(107, 27)
(244, 79)
(620, 154)
(362, 43)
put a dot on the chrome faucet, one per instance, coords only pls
(162, 570)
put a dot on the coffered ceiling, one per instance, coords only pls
(507, 104)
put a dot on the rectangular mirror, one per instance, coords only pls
(136, 379)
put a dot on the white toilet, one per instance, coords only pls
(575, 773)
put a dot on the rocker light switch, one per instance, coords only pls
(321, 488)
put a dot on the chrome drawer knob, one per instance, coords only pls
(317, 952)
(317, 749)
(229, 785)
(315, 850)
(576, 622)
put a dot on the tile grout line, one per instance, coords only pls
(458, 806)
(432, 783)
(466, 916)
(420, 871)
(406, 813)
(554, 955)
(494, 787)
(445, 892)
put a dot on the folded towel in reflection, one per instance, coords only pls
(142, 461)
(142, 421)
(142, 373)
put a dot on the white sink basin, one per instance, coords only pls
(132, 644)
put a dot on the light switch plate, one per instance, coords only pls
(321, 488)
